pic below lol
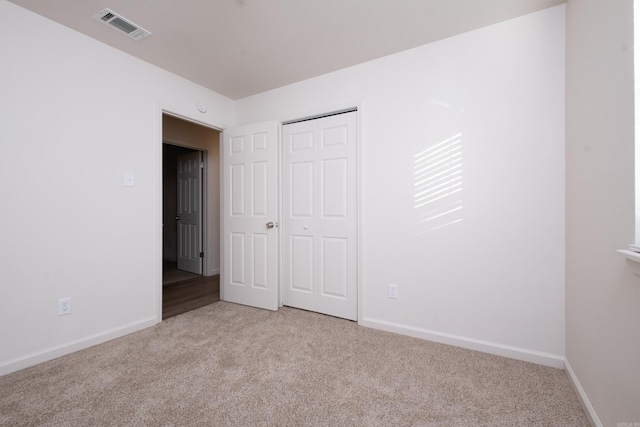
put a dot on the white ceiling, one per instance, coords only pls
(240, 48)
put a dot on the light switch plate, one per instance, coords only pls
(129, 179)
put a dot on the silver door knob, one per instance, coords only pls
(271, 224)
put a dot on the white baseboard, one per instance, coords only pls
(582, 395)
(213, 272)
(50, 353)
(540, 358)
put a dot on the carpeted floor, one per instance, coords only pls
(226, 364)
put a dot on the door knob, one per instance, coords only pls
(177, 218)
(272, 224)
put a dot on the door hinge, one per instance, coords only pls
(201, 254)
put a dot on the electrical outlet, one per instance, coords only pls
(64, 306)
(393, 290)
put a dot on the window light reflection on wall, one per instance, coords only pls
(437, 184)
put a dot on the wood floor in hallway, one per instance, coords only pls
(187, 295)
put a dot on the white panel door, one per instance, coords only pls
(190, 212)
(250, 240)
(319, 266)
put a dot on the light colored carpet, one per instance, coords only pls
(226, 364)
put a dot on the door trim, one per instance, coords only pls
(320, 116)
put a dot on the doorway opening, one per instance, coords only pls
(190, 216)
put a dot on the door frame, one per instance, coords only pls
(159, 207)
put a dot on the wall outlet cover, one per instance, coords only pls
(393, 290)
(64, 306)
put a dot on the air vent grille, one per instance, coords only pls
(122, 24)
(108, 16)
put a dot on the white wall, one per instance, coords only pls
(494, 280)
(603, 296)
(76, 114)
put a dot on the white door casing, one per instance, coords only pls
(250, 204)
(190, 212)
(319, 228)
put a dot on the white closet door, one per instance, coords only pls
(319, 215)
(250, 241)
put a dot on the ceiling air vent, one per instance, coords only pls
(121, 24)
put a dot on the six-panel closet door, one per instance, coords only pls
(319, 218)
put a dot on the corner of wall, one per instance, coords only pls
(582, 395)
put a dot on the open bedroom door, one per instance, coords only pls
(249, 222)
(189, 210)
